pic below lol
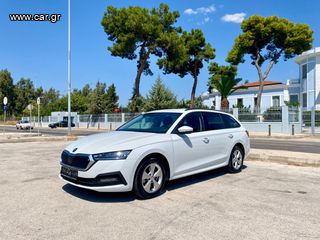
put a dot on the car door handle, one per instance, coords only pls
(230, 136)
(206, 140)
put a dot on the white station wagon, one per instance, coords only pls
(154, 147)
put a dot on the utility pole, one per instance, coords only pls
(69, 69)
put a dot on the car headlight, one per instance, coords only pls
(119, 155)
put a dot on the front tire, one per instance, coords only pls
(235, 160)
(150, 179)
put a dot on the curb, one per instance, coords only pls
(284, 160)
(279, 137)
(38, 139)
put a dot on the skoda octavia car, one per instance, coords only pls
(154, 147)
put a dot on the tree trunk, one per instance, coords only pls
(136, 90)
(224, 103)
(263, 77)
(194, 87)
(258, 106)
(193, 92)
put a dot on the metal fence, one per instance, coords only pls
(280, 119)
(273, 114)
(306, 118)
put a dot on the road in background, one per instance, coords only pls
(295, 145)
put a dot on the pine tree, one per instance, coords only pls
(111, 99)
(160, 97)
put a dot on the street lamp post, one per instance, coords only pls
(69, 69)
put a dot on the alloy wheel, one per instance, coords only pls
(152, 178)
(237, 159)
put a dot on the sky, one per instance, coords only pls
(38, 50)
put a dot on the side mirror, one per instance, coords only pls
(185, 129)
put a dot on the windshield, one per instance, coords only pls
(151, 122)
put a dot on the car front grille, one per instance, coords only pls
(80, 161)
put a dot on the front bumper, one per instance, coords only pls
(104, 176)
(102, 180)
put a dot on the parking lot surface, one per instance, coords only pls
(264, 201)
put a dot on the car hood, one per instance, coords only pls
(114, 141)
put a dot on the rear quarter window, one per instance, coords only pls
(229, 121)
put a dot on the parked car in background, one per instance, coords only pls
(24, 124)
(60, 124)
(153, 148)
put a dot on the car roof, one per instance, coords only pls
(185, 110)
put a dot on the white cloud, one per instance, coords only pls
(206, 19)
(234, 18)
(206, 10)
(201, 10)
(190, 11)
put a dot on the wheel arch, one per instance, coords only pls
(240, 145)
(159, 156)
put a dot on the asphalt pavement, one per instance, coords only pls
(264, 201)
(257, 143)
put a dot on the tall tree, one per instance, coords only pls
(79, 102)
(223, 79)
(111, 99)
(137, 33)
(98, 99)
(50, 97)
(160, 97)
(86, 90)
(217, 72)
(267, 39)
(25, 93)
(7, 90)
(194, 51)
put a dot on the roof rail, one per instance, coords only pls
(196, 109)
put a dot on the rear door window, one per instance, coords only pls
(212, 121)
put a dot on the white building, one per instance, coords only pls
(62, 116)
(305, 90)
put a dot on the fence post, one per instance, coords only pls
(106, 121)
(235, 112)
(285, 119)
(122, 118)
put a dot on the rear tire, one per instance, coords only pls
(235, 160)
(149, 179)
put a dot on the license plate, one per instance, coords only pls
(70, 173)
